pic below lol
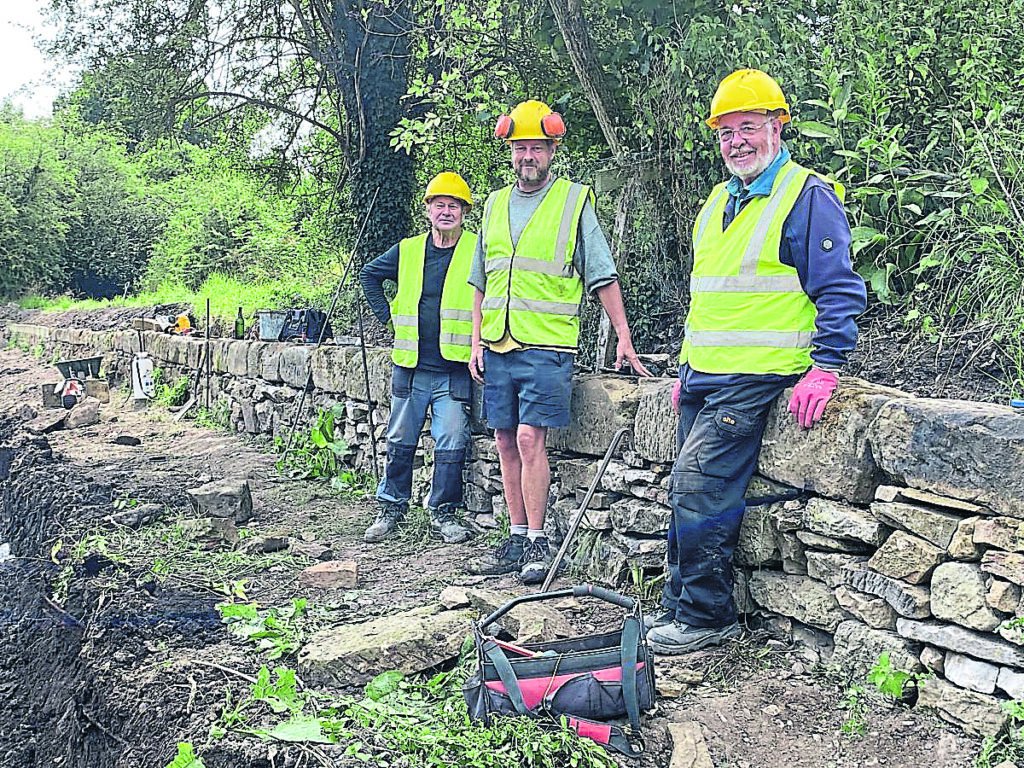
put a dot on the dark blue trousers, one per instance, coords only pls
(722, 419)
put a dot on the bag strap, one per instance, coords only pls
(495, 655)
(630, 641)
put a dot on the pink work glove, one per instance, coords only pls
(676, 389)
(810, 395)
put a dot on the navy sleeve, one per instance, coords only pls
(816, 242)
(372, 277)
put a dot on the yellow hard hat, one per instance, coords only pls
(531, 120)
(451, 185)
(748, 90)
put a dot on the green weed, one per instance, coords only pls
(318, 452)
(855, 725)
(277, 631)
(1009, 746)
(186, 758)
(887, 679)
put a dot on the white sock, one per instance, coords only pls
(518, 530)
(534, 535)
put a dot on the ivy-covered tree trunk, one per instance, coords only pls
(374, 48)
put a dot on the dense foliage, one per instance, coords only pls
(262, 129)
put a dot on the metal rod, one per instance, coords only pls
(209, 368)
(369, 400)
(334, 302)
(582, 509)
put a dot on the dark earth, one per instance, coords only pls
(102, 665)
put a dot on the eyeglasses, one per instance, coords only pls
(746, 131)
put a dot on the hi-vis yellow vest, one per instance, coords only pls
(532, 289)
(748, 312)
(456, 302)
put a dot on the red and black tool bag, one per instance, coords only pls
(590, 679)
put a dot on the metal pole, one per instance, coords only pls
(209, 368)
(582, 509)
(369, 400)
(320, 338)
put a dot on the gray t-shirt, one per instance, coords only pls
(592, 258)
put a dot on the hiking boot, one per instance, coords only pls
(676, 638)
(504, 558)
(446, 523)
(536, 561)
(654, 620)
(389, 515)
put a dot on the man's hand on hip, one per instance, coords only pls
(476, 363)
(810, 395)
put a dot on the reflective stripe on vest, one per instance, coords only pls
(748, 312)
(456, 314)
(533, 291)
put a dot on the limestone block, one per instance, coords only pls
(828, 566)
(598, 500)
(967, 450)
(871, 609)
(476, 499)
(621, 478)
(799, 597)
(238, 359)
(600, 406)
(966, 641)
(223, 498)
(84, 414)
(842, 521)
(603, 562)
(758, 542)
(646, 553)
(1011, 681)
(834, 457)
(378, 363)
(974, 712)
(270, 369)
(528, 622)
(219, 354)
(1000, 532)
(1001, 595)
(576, 473)
(1008, 565)
(329, 364)
(829, 544)
(654, 433)
(814, 645)
(887, 493)
(209, 529)
(934, 526)
(794, 554)
(410, 642)
(193, 352)
(933, 659)
(970, 673)
(962, 546)
(906, 557)
(906, 599)
(254, 358)
(761, 490)
(857, 648)
(294, 367)
(689, 750)
(636, 516)
(334, 574)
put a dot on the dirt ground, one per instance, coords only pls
(116, 676)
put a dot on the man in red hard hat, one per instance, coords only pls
(540, 248)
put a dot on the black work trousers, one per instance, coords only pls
(722, 419)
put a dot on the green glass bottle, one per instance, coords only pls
(239, 325)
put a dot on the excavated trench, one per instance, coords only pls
(66, 647)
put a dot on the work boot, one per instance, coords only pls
(676, 638)
(446, 523)
(654, 620)
(389, 515)
(536, 561)
(504, 558)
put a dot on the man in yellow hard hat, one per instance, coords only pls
(541, 247)
(773, 303)
(432, 315)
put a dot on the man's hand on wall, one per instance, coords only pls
(624, 351)
(810, 395)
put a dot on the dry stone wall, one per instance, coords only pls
(894, 526)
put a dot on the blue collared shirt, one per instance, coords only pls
(816, 242)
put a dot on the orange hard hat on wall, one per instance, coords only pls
(748, 90)
(530, 120)
(450, 184)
